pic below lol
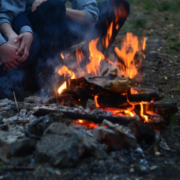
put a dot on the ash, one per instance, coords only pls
(52, 145)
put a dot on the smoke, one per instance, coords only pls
(58, 37)
(11, 82)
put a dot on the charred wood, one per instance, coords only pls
(89, 117)
(121, 100)
(163, 109)
(82, 89)
(142, 131)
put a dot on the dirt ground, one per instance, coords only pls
(158, 22)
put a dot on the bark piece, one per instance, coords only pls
(119, 85)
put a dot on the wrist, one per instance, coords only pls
(29, 34)
(2, 48)
(12, 36)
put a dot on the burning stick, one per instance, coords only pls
(89, 117)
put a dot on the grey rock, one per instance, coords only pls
(114, 139)
(15, 144)
(62, 146)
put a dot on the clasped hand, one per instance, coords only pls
(16, 50)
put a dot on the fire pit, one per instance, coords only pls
(98, 109)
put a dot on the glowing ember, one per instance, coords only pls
(129, 113)
(95, 58)
(133, 91)
(127, 53)
(88, 124)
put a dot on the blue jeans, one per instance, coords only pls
(9, 81)
(57, 32)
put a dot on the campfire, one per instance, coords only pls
(110, 83)
(97, 105)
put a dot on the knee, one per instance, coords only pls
(33, 52)
(35, 46)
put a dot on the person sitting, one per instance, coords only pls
(19, 46)
(60, 27)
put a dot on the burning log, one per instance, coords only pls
(121, 100)
(98, 119)
(120, 85)
(163, 109)
(84, 90)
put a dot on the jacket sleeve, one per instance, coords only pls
(22, 24)
(92, 13)
(2, 40)
(90, 7)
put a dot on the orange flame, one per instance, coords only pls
(127, 53)
(120, 12)
(79, 55)
(88, 124)
(142, 113)
(129, 113)
(95, 58)
(108, 37)
(62, 56)
(144, 43)
(96, 101)
(63, 72)
(62, 87)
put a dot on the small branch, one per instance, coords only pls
(16, 102)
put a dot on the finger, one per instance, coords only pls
(21, 49)
(7, 67)
(18, 38)
(34, 6)
(13, 66)
(25, 55)
(16, 63)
